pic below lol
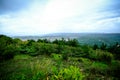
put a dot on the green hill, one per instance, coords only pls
(57, 60)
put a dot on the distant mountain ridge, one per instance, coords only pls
(77, 34)
(83, 38)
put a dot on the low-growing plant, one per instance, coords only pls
(100, 55)
(58, 59)
(9, 52)
(41, 69)
(98, 68)
(70, 73)
(21, 56)
(56, 56)
(18, 76)
(115, 69)
(39, 76)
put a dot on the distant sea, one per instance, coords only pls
(83, 38)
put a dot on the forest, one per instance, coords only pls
(57, 60)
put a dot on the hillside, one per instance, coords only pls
(57, 60)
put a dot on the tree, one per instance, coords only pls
(55, 41)
(103, 46)
(95, 46)
(73, 42)
(7, 47)
(115, 49)
(30, 42)
(39, 40)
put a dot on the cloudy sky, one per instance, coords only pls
(36, 17)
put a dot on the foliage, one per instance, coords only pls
(115, 69)
(56, 56)
(19, 76)
(41, 69)
(30, 42)
(100, 55)
(7, 48)
(70, 73)
(9, 52)
(114, 49)
(103, 46)
(43, 41)
(73, 42)
(57, 60)
(70, 42)
(98, 68)
(46, 49)
(95, 46)
(21, 56)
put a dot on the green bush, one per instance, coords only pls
(66, 53)
(85, 49)
(115, 69)
(70, 42)
(41, 69)
(99, 68)
(100, 55)
(76, 52)
(9, 52)
(103, 46)
(46, 49)
(39, 76)
(18, 76)
(95, 46)
(70, 73)
(59, 49)
(7, 48)
(56, 56)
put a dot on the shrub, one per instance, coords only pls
(100, 55)
(9, 52)
(21, 56)
(115, 49)
(85, 50)
(115, 69)
(56, 56)
(59, 49)
(73, 42)
(99, 68)
(7, 49)
(70, 73)
(39, 76)
(103, 46)
(30, 42)
(19, 76)
(46, 49)
(66, 53)
(95, 46)
(41, 69)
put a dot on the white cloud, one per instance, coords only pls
(57, 16)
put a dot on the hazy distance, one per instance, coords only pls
(38, 17)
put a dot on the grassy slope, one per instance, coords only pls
(55, 62)
(42, 67)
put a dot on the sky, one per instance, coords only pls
(39, 17)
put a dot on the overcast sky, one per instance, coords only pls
(36, 17)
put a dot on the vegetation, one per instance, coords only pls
(114, 49)
(57, 60)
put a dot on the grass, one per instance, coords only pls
(24, 67)
(31, 60)
(42, 67)
(15, 68)
(100, 55)
(21, 57)
(98, 68)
